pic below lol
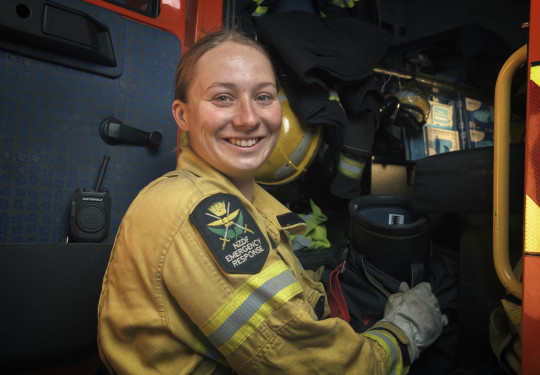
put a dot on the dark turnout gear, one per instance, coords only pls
(392, 236)
(388, 250)
(326, 65)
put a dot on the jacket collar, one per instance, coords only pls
(262, 201)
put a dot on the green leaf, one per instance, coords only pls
(220, 231)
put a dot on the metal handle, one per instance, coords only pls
(501, 172)
(113, 132)
(56, 28)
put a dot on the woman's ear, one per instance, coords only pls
(179, 113)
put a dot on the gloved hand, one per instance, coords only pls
(416, 312)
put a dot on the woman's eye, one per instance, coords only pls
(264, 98)
(222, 99)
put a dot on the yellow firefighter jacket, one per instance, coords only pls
(201, 280)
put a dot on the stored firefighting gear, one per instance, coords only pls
(201, 279)
(505, 335)
(296, 148)
(324, 52)
(392, 236)
(413, 109)
(354, 156)
(505, 330)
(318, 56)
(364, 290)
(416, 311)
(315, 236)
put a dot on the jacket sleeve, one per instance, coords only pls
(262, 323)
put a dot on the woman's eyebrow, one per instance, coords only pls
(231, 85)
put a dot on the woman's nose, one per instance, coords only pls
(246, 114)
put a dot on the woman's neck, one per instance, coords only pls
(245, 186)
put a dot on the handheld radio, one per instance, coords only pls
(91, 211)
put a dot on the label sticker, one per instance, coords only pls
(231, 234)
(396, 219)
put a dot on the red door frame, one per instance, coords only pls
(187, 19)
(531, 258)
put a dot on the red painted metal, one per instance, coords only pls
(172, 15)
(203, 17)
(530, 361)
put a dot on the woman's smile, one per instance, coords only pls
(243, 142)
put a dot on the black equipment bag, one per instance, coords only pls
(376, 257)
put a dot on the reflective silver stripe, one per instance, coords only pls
(250, 306)
(295, 158)
(395, 366)
(350, 167)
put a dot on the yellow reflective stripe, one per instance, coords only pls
(333, 95)
(244, 312)
(256, 320)
(350, 167)
(259, 11)
(393, 363)
(241, 295)
(535, 74)
(532, 226)
(344, 3)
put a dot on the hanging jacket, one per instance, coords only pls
(325, 66)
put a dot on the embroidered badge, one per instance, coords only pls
(231, 234)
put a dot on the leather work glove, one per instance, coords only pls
(416, 312)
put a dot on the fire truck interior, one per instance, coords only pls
(85, 123)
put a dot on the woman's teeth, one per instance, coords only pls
(243, 142)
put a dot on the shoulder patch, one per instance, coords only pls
(231, 233)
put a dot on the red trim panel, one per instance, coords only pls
(530, 360)
(172, 15)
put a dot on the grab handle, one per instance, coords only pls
(56, 28)
(501, 172)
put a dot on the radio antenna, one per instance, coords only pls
(101, 174)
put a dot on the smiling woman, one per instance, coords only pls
(202, 278)
(231, 110)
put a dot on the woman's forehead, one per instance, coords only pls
(231, 48)
(238, 57)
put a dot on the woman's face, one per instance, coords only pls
(232, 113)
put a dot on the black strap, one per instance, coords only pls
(417, 273)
